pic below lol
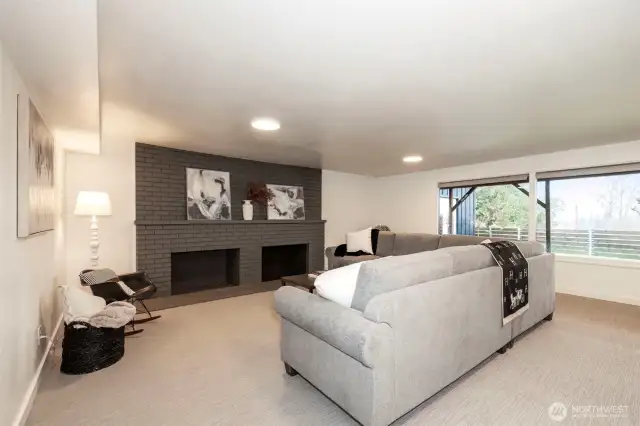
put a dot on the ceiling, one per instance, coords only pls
(359, 84)
(53, 44)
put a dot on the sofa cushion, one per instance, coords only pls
(462, 240)
(386, 241)
(530, 248)
(468, 258)
(473, 257)
(406, 243)
(339, 262)
(395, 272)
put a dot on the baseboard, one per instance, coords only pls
(32, 390)
(601, 296)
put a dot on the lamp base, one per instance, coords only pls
(94, 242)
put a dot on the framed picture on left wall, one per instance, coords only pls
(36, 147)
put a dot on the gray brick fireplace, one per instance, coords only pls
(162, 228)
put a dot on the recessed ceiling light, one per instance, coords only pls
(265, 124)
(412, 159)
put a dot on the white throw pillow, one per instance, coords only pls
(338, 285)
(79, 303)
(360, 241)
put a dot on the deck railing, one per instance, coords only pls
(588, 242)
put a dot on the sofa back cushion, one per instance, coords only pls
(474, 257)
(414, 243)
(468, 258)
(462, 240)
(395, 272)
(530, 248)
(386, 241)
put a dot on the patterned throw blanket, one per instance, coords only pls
(515, 278)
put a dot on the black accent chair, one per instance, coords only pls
(142, 286)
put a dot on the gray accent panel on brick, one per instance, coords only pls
(162, 228)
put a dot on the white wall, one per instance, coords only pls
(411, 204)
(29, 272)
(406, 204)
(347, 204)
(113, 172)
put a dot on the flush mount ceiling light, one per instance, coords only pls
(412, 159)
(265, 124)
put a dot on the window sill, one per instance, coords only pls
(598, 261)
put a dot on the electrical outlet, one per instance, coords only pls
(41, 343)
(41, 336)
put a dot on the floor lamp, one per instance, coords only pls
(94, 204)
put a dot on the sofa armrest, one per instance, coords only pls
(343, 328)
(329, 253)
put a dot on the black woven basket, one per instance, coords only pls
(87, 349)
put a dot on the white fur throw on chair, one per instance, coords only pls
(114, 315)
(79, 305)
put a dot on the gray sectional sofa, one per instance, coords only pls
(416, 324)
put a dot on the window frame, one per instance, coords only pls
(584, 173)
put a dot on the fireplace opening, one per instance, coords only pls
(280, 261)
(204, 270)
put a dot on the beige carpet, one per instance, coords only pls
(218, 363)
(169, 302)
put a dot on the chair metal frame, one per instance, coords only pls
(142, 286)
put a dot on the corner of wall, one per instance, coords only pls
(407, 202)
(111, 171)
(348, 204)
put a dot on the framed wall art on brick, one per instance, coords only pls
(287, 202)
(208, 195)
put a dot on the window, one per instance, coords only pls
(594, 214)
(590, 212)
(496, 207)
(503, 211)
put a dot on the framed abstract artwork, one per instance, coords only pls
(208, 195)
(36, 148)
(287, 202)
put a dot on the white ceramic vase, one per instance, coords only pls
(247, 210)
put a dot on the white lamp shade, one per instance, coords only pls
(90, 203)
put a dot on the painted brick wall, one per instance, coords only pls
(162, 228)
(155, 243)
(161, 188)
